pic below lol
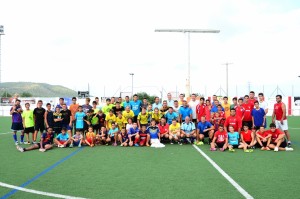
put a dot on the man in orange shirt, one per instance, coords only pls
(73, 108)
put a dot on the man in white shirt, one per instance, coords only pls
(193, 104)
(169, 100)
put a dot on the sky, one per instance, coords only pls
(95, 44)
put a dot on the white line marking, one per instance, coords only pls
(38, 192)
(221, 171)
(294, 128)
(5, 133)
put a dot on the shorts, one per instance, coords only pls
(29, 130)
(17, 126)
(156, 143)
(284, 126)
(282, 145)
(248, 142)
(248, 123)
(44, 144)
(143, 141)
(234, 146)
(173, 135)
(134, 119)
(76, 143)
(69, 128)
(220, 144)
(39, 127)
(205, 134)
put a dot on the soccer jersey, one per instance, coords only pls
(203, 125)
(73, 108)
(50, 118)
(101, 119)
(247, 115)
(66, 115)
(28, 118)
(109, 119)
(240, 111)
(107, 108)
(274, 134)
(143, 118)
(156, 117)
(128, 115)
(233, 138)
(125, 104)
(116, 110)
(77, 137)
(207, 113)
(120, 122)
(278, 111)
(112, 132)
(39, 114)
(200, 111)
(220, 136)
(174, 128)
(16, 116)
(124, 137)
(247, 135)
(234, 121)
(95, 119)
(226, 109)
(170, 116)
(154, 105)
(163, 129)
(258, 116)
(264, 134)
(57, 124)
(79, 120)
(62, 137)
(185, 111)
(133, 131)
(86, 107)
(90, 135)
(136, 107)
(47, 138)
(193, 105)
(188, 127)
(153, 132)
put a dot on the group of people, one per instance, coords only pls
(241, 124)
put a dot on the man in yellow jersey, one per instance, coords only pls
(128, 113)
(110, 118)
(174, 132)
(226, 106)
(143, 118)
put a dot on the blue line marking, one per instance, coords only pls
(41, 174)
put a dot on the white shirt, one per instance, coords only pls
(193, 105)
(263, 105)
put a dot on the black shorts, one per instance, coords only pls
(248, 123)
(249, 142)
(283, 144)
(57, 130)
(220, 144)
(134, 119)
(29, 130)
(44, 144)
(17, 126)
(264, 144)
(39, 127)
(234, 146)
(96, 127)
(205, 134)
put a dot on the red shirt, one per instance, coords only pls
(263, 134)
(235, 121)
(222, 114)
(274, 134)
(200, 111)
(239, 111)
(247, 137)
(278, 111)
(248, 109)
(221, 136)
(207, 113)
(163, 129)
(251, 101)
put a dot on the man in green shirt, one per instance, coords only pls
(28, 122)
(107, 107)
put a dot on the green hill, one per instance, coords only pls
(35, 89)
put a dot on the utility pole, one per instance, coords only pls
(227, 76)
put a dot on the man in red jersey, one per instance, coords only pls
(234, 121)
(220, 139)
(247, 115)
(208, 107)
(280, 119)
(278, 142)
(239, 110)
(200, 109)
(252, 98)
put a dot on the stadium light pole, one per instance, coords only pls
(227, 76)
(1, 33)
(188, 31)
(131, 84)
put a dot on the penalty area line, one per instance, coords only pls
(37, 192)
(224, 174)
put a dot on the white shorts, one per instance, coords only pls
(156, 143)
(283, 126)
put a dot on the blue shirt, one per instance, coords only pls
(62, 137)
(233, 138)
(170, 103)
(133, 131)
(188, 127)
(159, 105)
(169, 117)
(79, 120)
(135, 107)
(258, 116)
(185, 111)
(113, 131)
(125, 104)
(153, 132)
(201, 126)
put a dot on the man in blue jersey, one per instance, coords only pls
(63, 139)
(133, 135)
(79, 115)
(204, 129)
(188, 130)
(258, 116)
(184, 111)
(126, 102)
(17, 122)
(156, 104)
(170, 115)
(135, 106)
(153, 131)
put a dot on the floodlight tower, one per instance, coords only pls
(1, 33)
(188, 31)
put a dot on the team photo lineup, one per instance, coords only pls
(133, 123)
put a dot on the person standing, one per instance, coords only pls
(39, 119)
(73, 108)
(156, 104)
(135, 106)
(66, 119)
(17, 122)
(193, 103)
(280, 119)
(258, 116)
(170, 101)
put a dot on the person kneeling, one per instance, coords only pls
(153, 133)
(220, 139)
(278, 142)
(62, 140)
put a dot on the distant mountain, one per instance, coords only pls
(36, 89)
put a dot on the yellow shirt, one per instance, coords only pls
(226, 109)
(127, 115)
(173, 128)
(120, 122)
(156, 117)
(143, 118)
(109, 119)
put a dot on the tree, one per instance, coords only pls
(6, 94)
(143, 95)
(26, 94)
